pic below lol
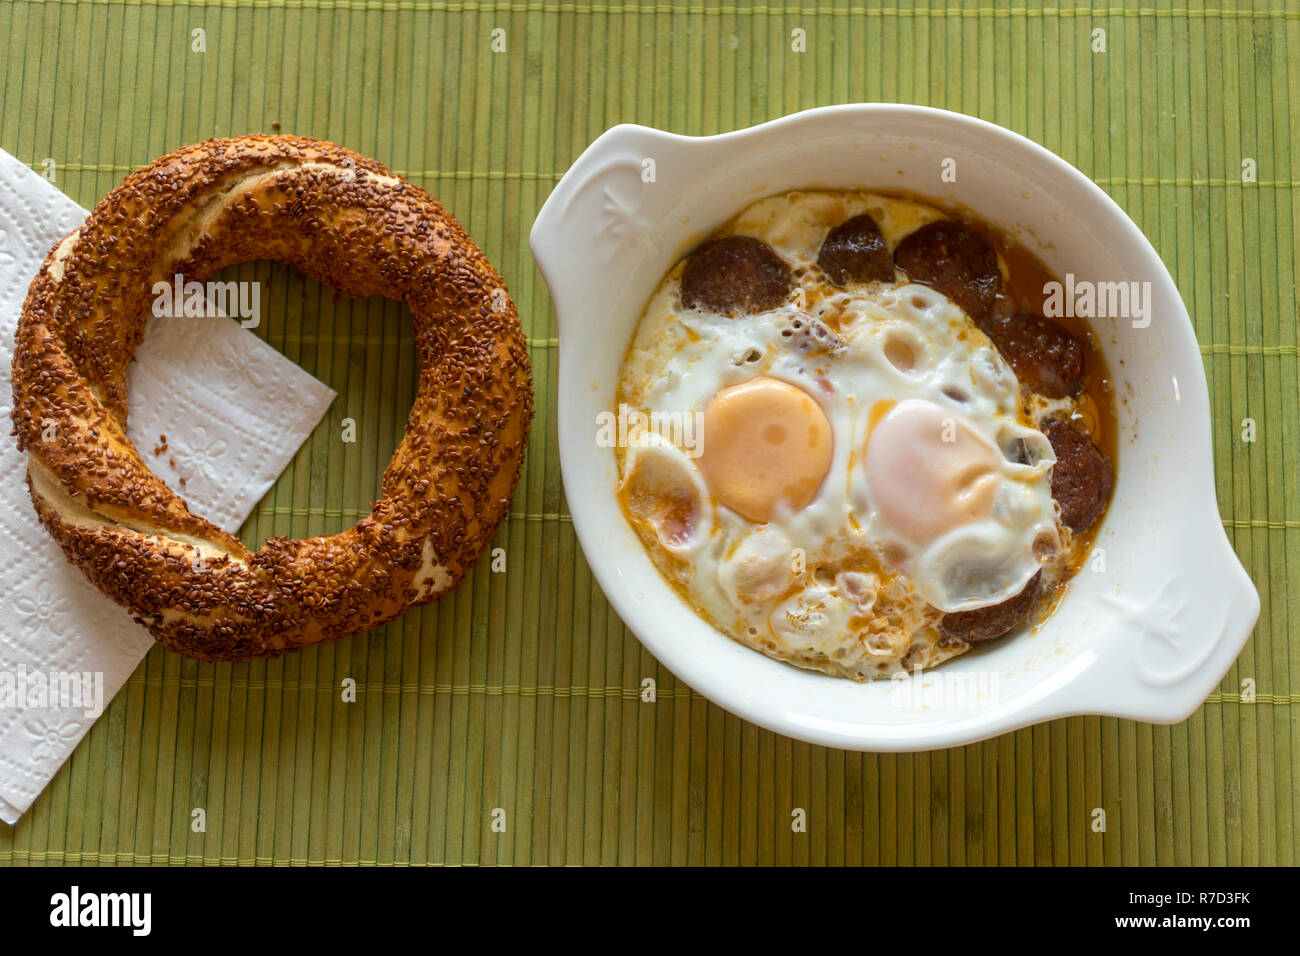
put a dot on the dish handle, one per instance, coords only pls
(1170, 639)
(608, 201)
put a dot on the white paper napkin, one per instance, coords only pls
(233, 412)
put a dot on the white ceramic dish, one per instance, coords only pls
(1147, 632)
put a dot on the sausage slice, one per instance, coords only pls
(1046, 358)
(986, 623)
(735, 275)
(855, 251)
(954, 259)
(1081, 478)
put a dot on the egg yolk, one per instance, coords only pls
(764, 442)
(928, 471)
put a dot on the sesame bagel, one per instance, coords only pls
(353, 225)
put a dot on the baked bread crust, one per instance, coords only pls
(348, 222)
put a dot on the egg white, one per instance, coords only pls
(832, 585)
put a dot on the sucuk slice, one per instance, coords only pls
(1046, 358)
(954, 259)
(735, 275)
(986, 623)
(1082, 477)
(855, 251)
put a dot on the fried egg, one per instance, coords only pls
(862, 462)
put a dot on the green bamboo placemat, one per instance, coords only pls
(516, 697)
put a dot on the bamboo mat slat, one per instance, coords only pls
(516, 700)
